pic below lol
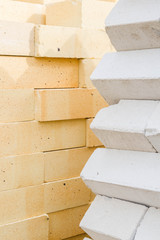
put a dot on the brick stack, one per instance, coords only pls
(46, 106)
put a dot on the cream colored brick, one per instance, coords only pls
(67, 104)
(91, 139)
(16, 38)
(65, 224)
(71, 42)
(16, 105)
(92, 43)
(65, 194)
(51, 41)
(86, 67)
(15, 11)
(31, 1)
(78, 237)
(22, 203)
(65, 13)
(30, 137)
(21, 171)
(29, 72)
(65, 164)
(94, 13)
(35, 228)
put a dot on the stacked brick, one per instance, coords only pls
(46, 106)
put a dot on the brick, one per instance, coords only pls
(67, 104)
(91, 139)
(31, 1)
(86, 67)
(131, 28)
(28, 229)
(19, 204)
(65, 224)
(109, 218)
(135, 177)
(15, 11)
(16, 38)
(16, 105)
(31, 137)
(21, 171)
(129, 125)
(59, 12)
(65, 194)
(70, 42)
(23, 72)
(78, 237)
(65, 164)
(94, 13)
(118, 75)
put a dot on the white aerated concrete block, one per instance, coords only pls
(128, 75)
(128, 175)
(16, 38)
(112, 219)
(149, 228)
(134, 24)
(129, 125)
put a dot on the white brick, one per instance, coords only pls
(128, 75)
(128, 175)
(149, 227)
(112, 219)
(134, 25)
(124, 126)
(15, 11)
(16, 38)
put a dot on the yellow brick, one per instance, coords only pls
(21, 171)
(30, 1)
(65, 194)
(29, 72)
(31, 137)
(22, 203)
(86, 67)
(93, 195)
(78, 237)
(15, 11)
(16, 105)
(35, 228)
(71, 42)
(67, 104)
(16, 38)
(91, 139)
(65, 224)
(64, 13)
(94, 13)
(65, 164)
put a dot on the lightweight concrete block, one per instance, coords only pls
(23, 72)
(94, 13)
(128, 75)
(31, 137)
(19, 204)
(128, 175)
(91, 139)
(112, 219)
(16, 105)
(134, 25)
(124, 126)
(64, 104)
(15, 11)
(65, 13)
(149, 227)
(31, 228)
(16, 38)
(65, 224)
(21, 171)
(86, 67)
(52, 41)
(65, 194)
(65, 164)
